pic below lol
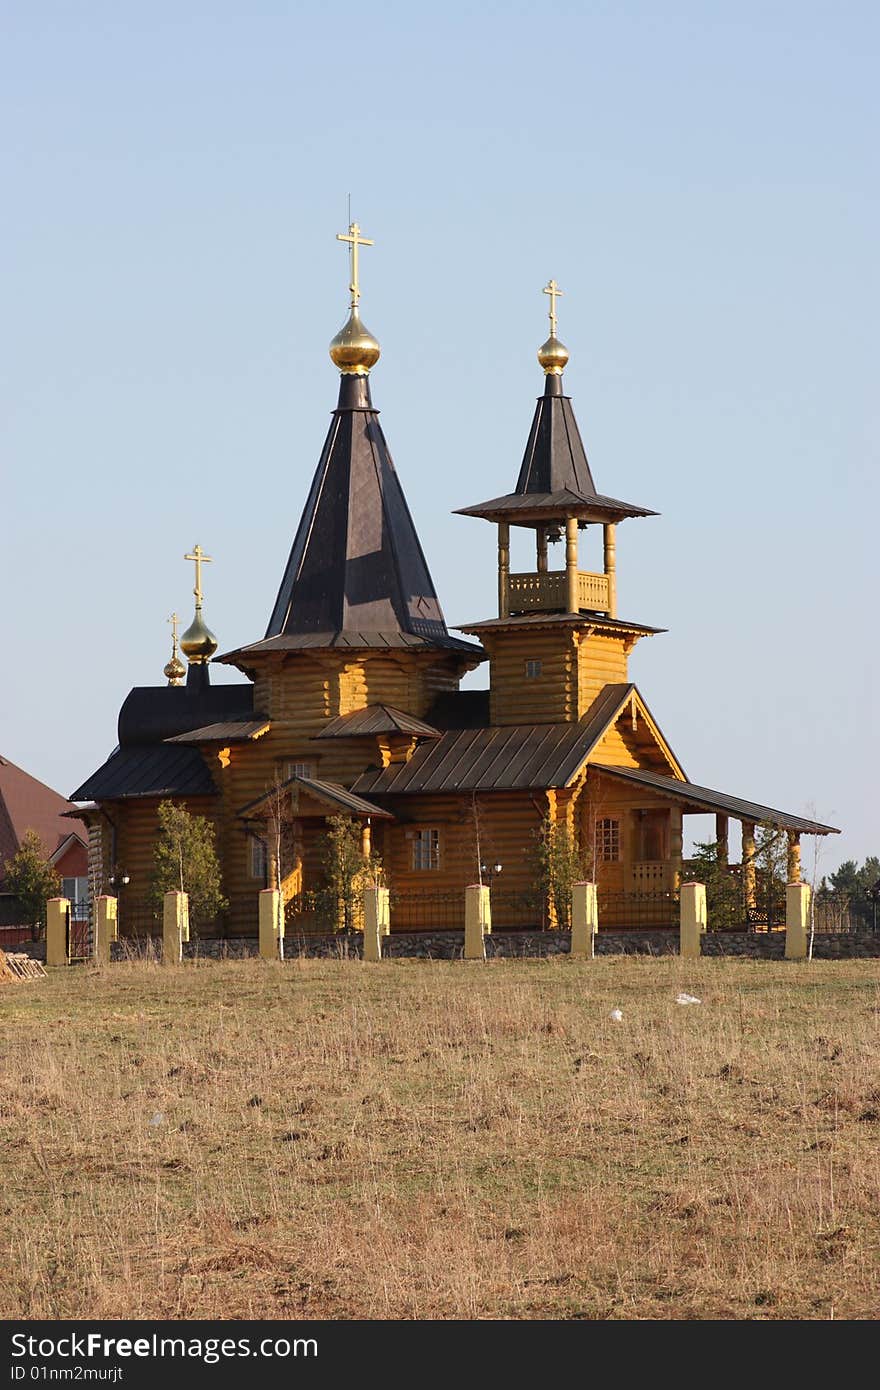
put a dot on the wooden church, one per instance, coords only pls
(352, 703)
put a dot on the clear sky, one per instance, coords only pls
(700, 178)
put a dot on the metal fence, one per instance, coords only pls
(427, 909)
(637, 911)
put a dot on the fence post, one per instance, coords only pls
(584, 921)
(477, 920)
(377, 921)
(175, 926)
(58, 931)
(271, 925)
(692, 919)
(797, 917)
(105, 927)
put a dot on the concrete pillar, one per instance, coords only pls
(477, 921)
(794, 856)
(503, 568)
(749, 872)
(584, 921)
(377, 921)
(797, 920)
(58, 931)
(541, 548)
(610, 567)
(271, 925)
(693, 919)
(105, 927)
(571, 565)
(722, 833)
(175, 926)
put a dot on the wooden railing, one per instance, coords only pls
(536, 593)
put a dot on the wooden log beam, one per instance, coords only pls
(503, 568)
(610, 567)
(722, 832)
(571, 564)
(750, 891)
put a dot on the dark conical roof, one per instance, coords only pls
(356, 569)
(555, 477)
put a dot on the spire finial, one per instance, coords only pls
(553, 354)
(354, 350)
(354, 239)
(175, 669)
(198, 643)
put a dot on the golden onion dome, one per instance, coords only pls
(198, 643)
(354, 350)
(175, 670)
(553, 356)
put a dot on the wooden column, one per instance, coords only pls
(749, 875)
(794, 856)
(721, 834)
(610, 567)
(571, 565)
(675, 847)
(503, 568)
(541, 548)
(366, 839)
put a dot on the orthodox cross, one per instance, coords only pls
(200, 559)
(175, 622)
(354, 239)
(555, 293)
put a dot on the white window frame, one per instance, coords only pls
(425, 852)
(79, 898)
(301, 767)
(608, 839)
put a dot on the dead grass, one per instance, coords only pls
(437, 1140)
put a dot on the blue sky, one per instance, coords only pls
(701, 180)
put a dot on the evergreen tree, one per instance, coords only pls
(185, 859)
(32, 879)
(561, 864)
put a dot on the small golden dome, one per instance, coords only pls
(553, 356)
(175, 670)
(198, 643)
(354, 350)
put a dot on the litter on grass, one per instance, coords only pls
(687, 999)
(617, 1015)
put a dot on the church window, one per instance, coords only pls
(533, 670)
(300, 769)
(259, 858)
(608, 840)
(426, 849)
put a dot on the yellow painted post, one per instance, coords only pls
(271, 925)
(797, 919)
(375, 911)
(584, 921)
(692, 920)
(57, 931)
(105, 927)
(477, 920)
(175, 926)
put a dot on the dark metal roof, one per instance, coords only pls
(148, 770)
(151, 713)
(351, 641)
(460, 709)
(706, 799)
(554, 619)
(555, 475)
(510, 757)
(337, 797)
(234, 731)
(356, 565)
(377, 719)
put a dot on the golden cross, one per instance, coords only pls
(175, 622)
(354, 239)
(555, 293)
(201, 559)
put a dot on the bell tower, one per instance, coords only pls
(557, 639)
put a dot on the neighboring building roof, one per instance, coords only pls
(330, 793)
(555, 476)
(503, 757)
(704, 799)
(356, 565)
(234, 731)
(26, 804)
(377, 719)
(157, 769)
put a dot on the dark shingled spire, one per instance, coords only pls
(356, 567)
(555, 458)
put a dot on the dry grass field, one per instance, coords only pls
(436, 1140)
